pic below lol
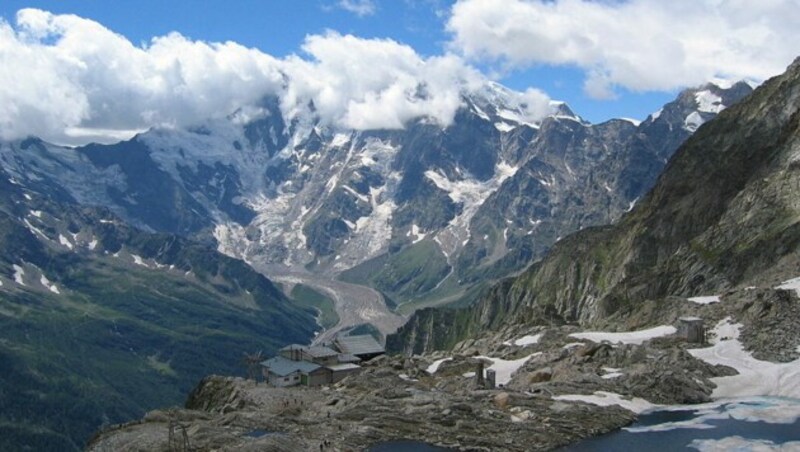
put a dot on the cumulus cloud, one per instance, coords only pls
(370, 84)
(66, 78)
(71, 80)
(641, 45)
(360, 8)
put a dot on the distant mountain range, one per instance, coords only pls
(422, 214)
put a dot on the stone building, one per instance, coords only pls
(317, 365)
(692, 329)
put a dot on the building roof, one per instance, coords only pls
(342, 367)
(348, 358)
(282, 367)
(318, 351)
(315, 351)
(690, 319)
(359, 345)
(293, 347)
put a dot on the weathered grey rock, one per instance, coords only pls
(541, 375)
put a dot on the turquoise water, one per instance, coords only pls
(736, 425)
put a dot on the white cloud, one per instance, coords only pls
(637, 44)
(71, 80)
(360, 8)
(66, 78)
(367, 84)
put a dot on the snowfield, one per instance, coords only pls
(756, 377)
(603, 398)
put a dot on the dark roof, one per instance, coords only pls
(282, 367)
(359, 345)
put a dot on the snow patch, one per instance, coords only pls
(435, 365)
(632, 204)
(34, 229)
(603, 398)
(93, 244)
(416, 234)
(756, 377)
(708, 102)
(611, 372)
(504, 126)
(792, 284)
(481, 114)
(358, 195)
(505, 368)
(693, 121)
(705, 299)
(19, 273)
(139, 261)
(339, 140)
(630, 337)
(738, 443)
(36, 213)
(46, 282)
(525, 340)
(656, 115)
(65, 241)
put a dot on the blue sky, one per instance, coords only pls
(279, 27)
(68, 65)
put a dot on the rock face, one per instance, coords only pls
(420, 212)
(723, 214)
(540, 403)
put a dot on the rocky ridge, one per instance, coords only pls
(723, 215)
(547, 376)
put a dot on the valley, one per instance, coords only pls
(539, 222)
(355, 305)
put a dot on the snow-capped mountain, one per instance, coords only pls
(408, 211)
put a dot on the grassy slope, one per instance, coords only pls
(121, 338)
(129, 341)
(307, 297)
(409, 274)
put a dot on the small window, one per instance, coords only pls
(296, 377)
(286, 379)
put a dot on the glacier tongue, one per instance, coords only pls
(471, 193)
